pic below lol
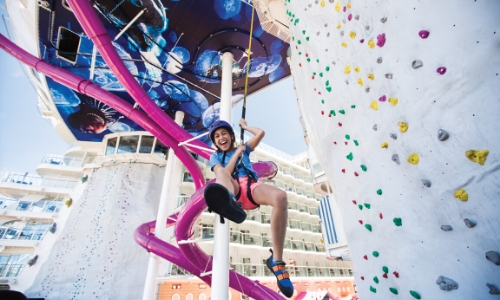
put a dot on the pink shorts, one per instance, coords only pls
(246, 204)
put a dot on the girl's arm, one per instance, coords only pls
(232, 162)
(258, 134)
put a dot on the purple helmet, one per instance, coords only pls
(220, 124)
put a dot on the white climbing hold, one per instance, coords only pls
(383, 20)
(367, 89)
(443, 135)
(379, 60)
(494, 257)
(388, 76)
(393, 136)
(469, 223)
(417, 64)
(446, 228)
(374, 127)
(493, 289)
(395, 158)
(446, 284)
(426, 182)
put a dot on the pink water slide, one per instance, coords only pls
(188, 256)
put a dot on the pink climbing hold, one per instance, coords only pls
(356, 174)
(362, 277)
(361, 40)
(360, 222)
(396, 274)
(382, 99)
(354, 201)
(441, 70)
(345, 9)
(385, 275)
(365, 257)
(424, 34)
(349, 17)
(343, 170)
(381, 216)
(381, 40)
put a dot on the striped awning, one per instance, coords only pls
(326, 216)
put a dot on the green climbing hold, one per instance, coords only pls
(307, 38)
(379, 192)
(332, 112)
(303, 32)
(320, 74)
(356, 142)
(317, 60)
(327, 68)
(372, 289)
(367, 205)
(342, 111)
(329, 89)
(327, 83)
(308, 59)
(296, 21)
(293, 38)
(393, 290)
(364, 168)
(385, 269)
(322, 101)
(300, 53)
(375, 253)
(369, 227)
(415, 295)
(353, 106)
(375, 279)
(360, 207)
(349, 156)
(314, 73)
(347, 137)
(398, 221)
(299, 42)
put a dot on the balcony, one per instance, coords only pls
(22, 230)
(294, 224)
(288, 175)
(303, 208)
(18, 185)
(253, 216)
(24, 208)
(251, 239)
(60, 165)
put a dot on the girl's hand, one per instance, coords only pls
(243, 124)
(241, 148)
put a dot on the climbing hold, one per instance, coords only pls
(381, 40)
(396, 274)
(384, 145)
(393, 136)
(388, 76)
(369, 227)
(382, 99)
(375, 253)
(327, 68)
(371, 77)
(398, 221)
(343, 170)
(349, 156)
(372, 289)
(494, 257)
(478, 156)
(426, 182)
(349, 17)
(393, 101)
(380, 216)
(441, 70)
(469, 223)
(360, 81)
(357, 69)
(332, 112)
(374, 105)
(443, 135)
(367, 89)
(417, 64)
(360, 207)
(362, 277)
(395, 158)
(342, 34)
(367, 205)
(364, 168)
(385, 269)
(337, 6)
(347, 70)
(415, 295)
(493, 289)
(348, 5)
(446, 228)
(446, 284)
(365, 257)
(413, 159)
(393, 290)
(403, 127)
(423, 34)
(339, 25)
(461, 195)
(379, 192)
(354, 201)
(383, 20)
(371, 44)
(327, 83)
(385, 275)
(344, 9)
(356, 174)
(367, 27)
(355, 142)
(322, 3)
(375, 127)
(329, 89)
(353, 106)
(375, 279)
(347, 137)
(356, 17)
(379, 60)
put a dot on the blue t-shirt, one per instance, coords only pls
(216, 159)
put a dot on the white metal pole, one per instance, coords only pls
(220, 262)
(150, 286)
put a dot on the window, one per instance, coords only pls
(111, 146)
(68, 43)
(146, 144)
(160, 149)
(11, 265)
(128, 144)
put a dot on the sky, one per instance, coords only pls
(26, 137)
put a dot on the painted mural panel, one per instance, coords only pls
(172, 48)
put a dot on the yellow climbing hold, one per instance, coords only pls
(384, 145)
(352, 34)
(413, 159)
(339, 25)
(360, 81)
(371, 44)
(478, 156)
(371, 76)
(357, 69)
(461, 195)
(393, 101)
(374, 105)
(344, 45)
(403, 127)
(322, 3)
(348, 5)
(347, 70)
(337, 6)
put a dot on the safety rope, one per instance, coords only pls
(244, 108)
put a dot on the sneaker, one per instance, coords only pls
(220, 200)
(283, 278)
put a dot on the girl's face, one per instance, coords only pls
(222, 139)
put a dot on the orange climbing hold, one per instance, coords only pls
(384, 145)
(461, 195)
(478, 156)
(413, 159)
(374, 105)
(403, 127)
(393, 101)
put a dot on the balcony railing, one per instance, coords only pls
(294, 224)
(44, 205)
(251, 239)
(11, 270)
(313, 211)
(31, 232)
(60, 160)
(303, 208)
(35, 180)
(293, 205)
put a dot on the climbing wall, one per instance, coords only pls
(401, 100)
(96, 256)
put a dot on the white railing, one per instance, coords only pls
(44, 205)
(31, 232)
(35, 180)
(60, 160)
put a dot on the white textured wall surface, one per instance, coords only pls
(348, 80)
(96, 257)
